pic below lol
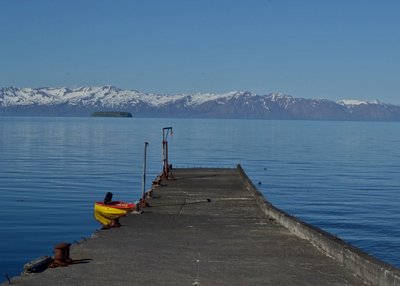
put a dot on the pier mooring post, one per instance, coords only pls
(61, 255)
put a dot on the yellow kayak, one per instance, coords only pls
(104, 213)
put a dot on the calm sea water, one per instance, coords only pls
(341, 176)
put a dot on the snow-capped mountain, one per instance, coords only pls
(238, 104)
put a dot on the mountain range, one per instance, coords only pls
(238, 104)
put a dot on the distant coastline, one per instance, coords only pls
(111, 114)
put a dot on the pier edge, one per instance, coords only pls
(368, 268)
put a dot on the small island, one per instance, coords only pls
(111, 114)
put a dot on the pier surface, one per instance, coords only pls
(203, 228)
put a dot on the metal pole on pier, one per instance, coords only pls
(144, 171)
(166, 131)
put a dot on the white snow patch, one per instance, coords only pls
(355, 102)
(278, 96)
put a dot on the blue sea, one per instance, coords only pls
(343, 177)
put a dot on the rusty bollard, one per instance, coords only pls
(138, 208)
(115, 223)
(61, 255)
(143, 203)
(149, 194)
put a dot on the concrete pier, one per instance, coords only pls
(204, 227)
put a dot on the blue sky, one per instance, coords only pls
(306, 48)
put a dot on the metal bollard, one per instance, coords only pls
(61, 255)
(115, 223)
(149, 194)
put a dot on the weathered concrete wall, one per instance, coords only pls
(368, 268)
